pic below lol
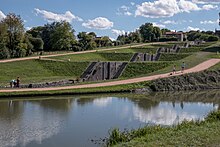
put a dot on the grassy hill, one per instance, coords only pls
(32, 71)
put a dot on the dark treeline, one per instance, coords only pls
(59, 36)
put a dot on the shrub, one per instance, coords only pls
(4, 52)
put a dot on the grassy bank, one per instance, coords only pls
(96, 57)
(107, 89)
(33, 71)
(142, 68)
(204, 133)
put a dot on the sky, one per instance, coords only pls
(114, 17)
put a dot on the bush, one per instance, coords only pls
(4, 52)
(212, 38)
(164, 39)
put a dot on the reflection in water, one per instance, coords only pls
(165, 114)
(23, 122)
(102, 102)
(73, 121)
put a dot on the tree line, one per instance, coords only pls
(59, 36)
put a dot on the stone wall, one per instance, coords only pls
(103, 71)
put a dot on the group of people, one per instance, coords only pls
(15, 83)
(183, 66)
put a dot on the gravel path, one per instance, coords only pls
(75, 53)
(202, 66)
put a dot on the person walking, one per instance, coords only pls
(18, 82)
(174, 69)
(183, 66)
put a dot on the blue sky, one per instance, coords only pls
(113, 17)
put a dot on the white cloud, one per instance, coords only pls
(169, 22)
(28, 28)
(187, 6)
(2, 15)
(132, 3)
(209, 7)
(124, 10)
(158, 25)
(168, 8)
(206, 1)
(127, 13)
(189, 28)
(118, 32)
(100, 23)
(156, 9)
(50, 16)
(208, 22)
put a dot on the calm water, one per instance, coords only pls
(72, 121)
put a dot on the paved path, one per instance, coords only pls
(74, 53)
(202, 66)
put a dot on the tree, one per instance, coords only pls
(147, 32)
(86, 41)
(163, 31)
(62, 36)
(15, 32)
(157, 33)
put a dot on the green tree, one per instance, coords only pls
(147, 32)
(15, 33)
(62, 36)
(86, 41)
(157, 33)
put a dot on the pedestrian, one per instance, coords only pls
(18, 82)
(174, 69)
(183, 66)
(12, 83)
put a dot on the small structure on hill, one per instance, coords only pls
(181, 36)
(97, 71)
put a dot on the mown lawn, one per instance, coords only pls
(142, 68)
(33, 71)
(99, 56)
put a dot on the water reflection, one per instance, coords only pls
(22, 122)
(73, 120)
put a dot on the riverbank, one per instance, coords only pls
(193, 133)
(205, 80)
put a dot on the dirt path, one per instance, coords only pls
(75, 53)
(202, 66)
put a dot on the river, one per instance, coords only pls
(73, 121)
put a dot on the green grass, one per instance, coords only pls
(107, 89)
(142, 68)
(33, 71)
(205, 133)
(99, 56)
(172, 57)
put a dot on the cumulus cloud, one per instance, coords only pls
(189, 28)
(50, 16)
(208, 22)
(168, 8)
(187, 6)
(100, 23)
(2, 15)
(209, 7)
(169, 22)
(156, 9)
(206, 1)
(124, 10)
(118, 32)
(158, 25)
(132, 3)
